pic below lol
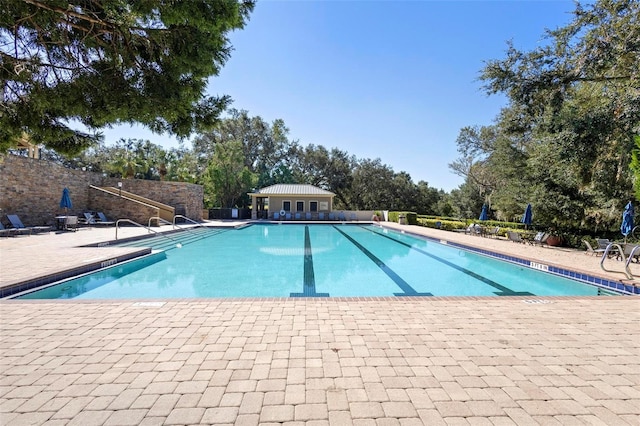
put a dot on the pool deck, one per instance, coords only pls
(361, 361)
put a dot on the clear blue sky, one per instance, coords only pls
(394, 80)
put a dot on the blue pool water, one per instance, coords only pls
(296, 260)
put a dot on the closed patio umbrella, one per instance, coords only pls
(627, 220)
(527, 218)
(483, 214)
(65, 201)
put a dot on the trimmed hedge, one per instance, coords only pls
(412, 217)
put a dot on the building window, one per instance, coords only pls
(299, 206)
(313, 206)
(286, 206)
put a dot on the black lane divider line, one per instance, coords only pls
(404, 286)
(504, 291)
(309, 285)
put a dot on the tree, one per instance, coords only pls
(110, 62)
(227, 179)
(564, 142)
(330, 170)
(265, 146)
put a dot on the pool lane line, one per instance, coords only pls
(504, 291)
(404, 286)
(309, 280)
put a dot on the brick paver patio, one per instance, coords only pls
(322, 362)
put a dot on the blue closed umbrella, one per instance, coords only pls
(65, 201)
(527, 219)
(483, 214)
(627, 220)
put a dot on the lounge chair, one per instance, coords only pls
(628, 249)
(603, 243)
(515, 237)
(102, 220)
(7, 232)
(492, 233)
(276, 216)
(298, 216)
(540, 238)
(332, 216)
(307, 216)
(342, 217)
(591, 250)
(475, 229)
(287, 216)
(17, 224)
(320, 216)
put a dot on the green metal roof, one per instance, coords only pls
(292, 189)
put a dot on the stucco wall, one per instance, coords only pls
(32, 189)
(275, 202)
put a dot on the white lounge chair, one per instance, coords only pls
(591, 250)
(515, 237)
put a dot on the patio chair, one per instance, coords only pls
(320, 216)
(287, 216)
(342, 217)
(332, 216)
(540, 238)
(17, 224)
(475, 229)
(628, 249)
(7, 232)
(298, 216)
(102, 220)
(591, 250)
(603, 243)
(307, 216)
(492, 233)
(71, 223)
(515, 237)
(276, 216)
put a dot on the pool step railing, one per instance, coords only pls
(180, 238)
(132, 222)
(161, 244)
(611, 247)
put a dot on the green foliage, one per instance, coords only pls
(411, 217)
(446, 225)
(111, 62)
(565, 141)
(635, 166)
(227, 178)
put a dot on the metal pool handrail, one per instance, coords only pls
(146, 227)
(184, 217)
(626, 271)
(159, 219)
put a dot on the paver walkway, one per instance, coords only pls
(322, 362)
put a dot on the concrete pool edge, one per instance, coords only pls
(42, 281)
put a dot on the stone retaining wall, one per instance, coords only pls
(32, 188)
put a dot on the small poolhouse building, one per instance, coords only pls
(305, 200)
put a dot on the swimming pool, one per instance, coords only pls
(297, 260)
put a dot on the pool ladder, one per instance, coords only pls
(627, 270)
